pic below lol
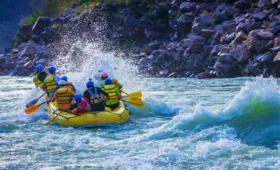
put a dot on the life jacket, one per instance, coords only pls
(63, 95)
(69, 84)
(37, 81)
(50, 84)
(95, 98)
(86, 106)
(111, 90)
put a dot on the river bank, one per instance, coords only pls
(203, 39)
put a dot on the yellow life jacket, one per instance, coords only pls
(50, 83)
(111, 90)
(37, 81)
(63, 95)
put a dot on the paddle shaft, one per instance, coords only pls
(34, 101)
(53, 117)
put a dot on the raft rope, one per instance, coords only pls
(67, 118)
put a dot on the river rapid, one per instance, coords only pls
(185, 123)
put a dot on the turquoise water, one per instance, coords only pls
(185, 124)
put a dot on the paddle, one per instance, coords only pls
(34, 101)
(33, 108)
(134, 103)
(48, 123)
(134, 94)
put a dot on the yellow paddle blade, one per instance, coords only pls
(135, 103)
(32, 109)
(134, 94)
(137, 99)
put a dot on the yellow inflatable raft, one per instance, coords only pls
(90, 119)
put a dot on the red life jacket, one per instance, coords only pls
(83, 106)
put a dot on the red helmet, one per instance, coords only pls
(104, 75)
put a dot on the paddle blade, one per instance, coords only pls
(32, 109)
(138, 104)
(134, 94)
(137, 99)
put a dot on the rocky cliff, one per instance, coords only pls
(11, 12)
(179, 38)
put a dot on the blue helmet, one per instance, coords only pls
(108, 81)
(90, 83)
(52, 69)
(64, 78)
(39, 68)
(78, 97)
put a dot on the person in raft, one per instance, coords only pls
(81, 105)
(68, 83)
(51, 82)
(114, 95)
(94, 95)
(63, 95)
(104, 76)
(40, 76)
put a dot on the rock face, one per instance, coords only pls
(41, 24)
(202, 39)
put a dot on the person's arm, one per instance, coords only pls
(118, 93)
(44, 86)
(86, 95)
(73, 87)
(120, 85)
(102, 92)
(54, 97)
(56, 79)
(35, 81)
(72, 93)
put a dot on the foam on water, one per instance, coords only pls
(254, 110)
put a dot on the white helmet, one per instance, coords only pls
(62, 82)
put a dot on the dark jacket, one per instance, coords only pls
(96, 107)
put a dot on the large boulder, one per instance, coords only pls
(239, 19)
(258, 40)
(239, 38)
(249, 26)
(187, 7)
(207, 20)
(184, 24)
(40, 25)
(194, 43)
(29, 49)
(149, 33)
(264, 58)
(264, 3)
(207, 32)
(260, 16)
(229, 27)
(277, 58)
(253, 69)
(227, 58)
(240, 53)
(275, 30)
(227, 71)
